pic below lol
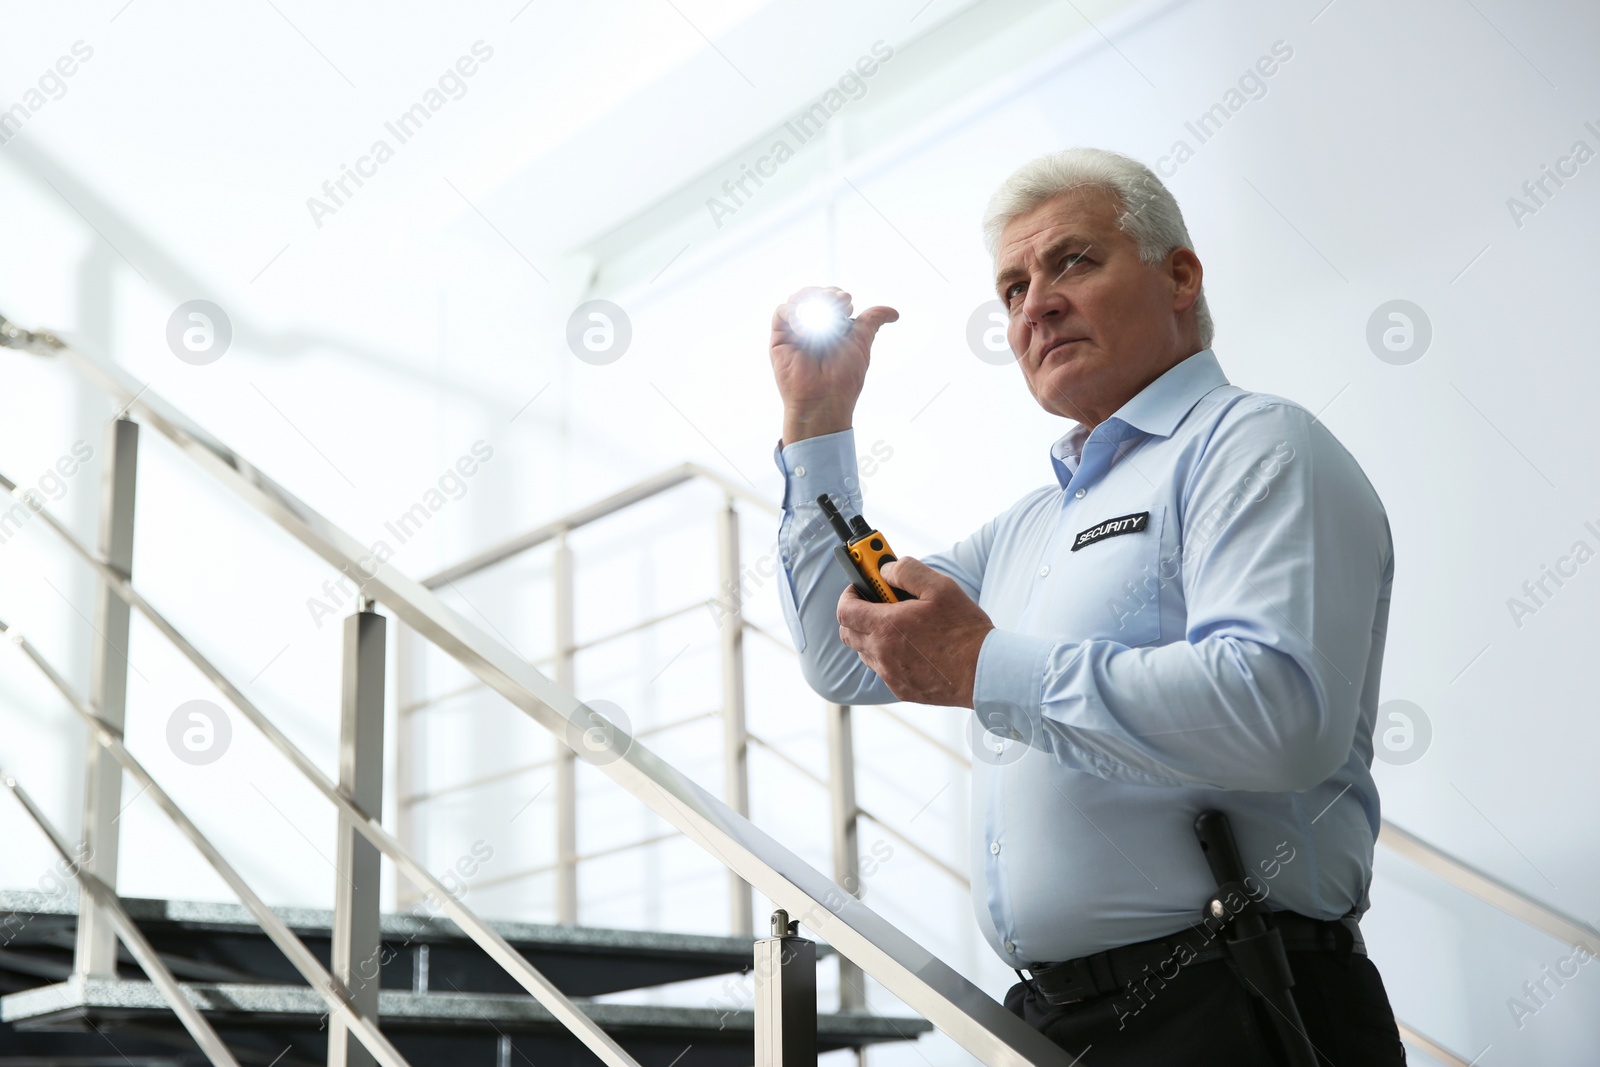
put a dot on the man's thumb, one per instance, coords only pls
(873, 317)
(910, 574)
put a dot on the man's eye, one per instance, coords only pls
(1013, 291)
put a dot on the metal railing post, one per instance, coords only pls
(408, 664)
(566, 759)
(102, 792)
(356, 939)
(735, 737)
(786, 996)
(846, 844)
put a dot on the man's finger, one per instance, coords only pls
(847, 607)
(854, 611)
(872, 318)
(912, 575)
(858, 642)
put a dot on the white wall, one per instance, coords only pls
(376, 350)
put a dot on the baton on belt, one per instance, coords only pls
(1254, 945)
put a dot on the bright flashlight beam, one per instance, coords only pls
(819, 318)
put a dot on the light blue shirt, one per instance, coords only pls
(1191, 617)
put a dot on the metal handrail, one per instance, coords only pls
(407, 707)
(546, 868)
(885, 709)
(144, 953)
(1432, 1047)
(553, 531)
(371, 828)
(774, 750)
(670, 478)
(539, 765)
(951, 754)
(783, 757)
(276, 929)
(762, 631)
(1489, 889)
(639, 491)
(918, 849)
(581, 646)
(926, 984)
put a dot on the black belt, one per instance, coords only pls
(1116, 969)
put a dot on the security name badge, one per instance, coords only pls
(1123, 524)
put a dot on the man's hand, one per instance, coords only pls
(820, 383)
(925, 650)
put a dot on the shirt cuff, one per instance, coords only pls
(1008, 686)
(817, 465)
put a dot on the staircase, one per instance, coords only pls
(443, 1000)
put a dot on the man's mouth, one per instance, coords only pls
(1058, 345)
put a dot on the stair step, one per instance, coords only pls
(214, 942)
(428, 1027)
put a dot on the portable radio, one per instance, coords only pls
(862, 556)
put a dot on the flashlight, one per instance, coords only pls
(862, 556)
(819, 319)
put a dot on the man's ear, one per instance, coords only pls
(1183, 267)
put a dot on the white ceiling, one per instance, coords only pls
(204, 130)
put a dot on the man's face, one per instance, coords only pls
(1090, 323)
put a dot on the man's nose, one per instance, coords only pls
(1044, 300)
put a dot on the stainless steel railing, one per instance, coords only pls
(337, 998)
(144, 954)
(369, 827)
(729, 578)
(920, 980)
(839, 784)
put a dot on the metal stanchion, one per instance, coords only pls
(356, 936)
(786, 996)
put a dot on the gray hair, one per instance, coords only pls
(1150, 215)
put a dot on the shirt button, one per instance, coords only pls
(1011, 946)
(1044, 572)
(1081, 493)
(994, 848)
(800, 471)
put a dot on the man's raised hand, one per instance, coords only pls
(820, 380)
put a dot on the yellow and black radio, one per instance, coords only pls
(862, 556)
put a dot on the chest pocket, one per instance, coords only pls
(1112, 587)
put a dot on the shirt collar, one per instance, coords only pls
(1156, 409)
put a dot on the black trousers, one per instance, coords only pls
(1205, 1017)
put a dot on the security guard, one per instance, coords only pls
(1189, 617)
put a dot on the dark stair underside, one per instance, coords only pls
(458, 1008)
